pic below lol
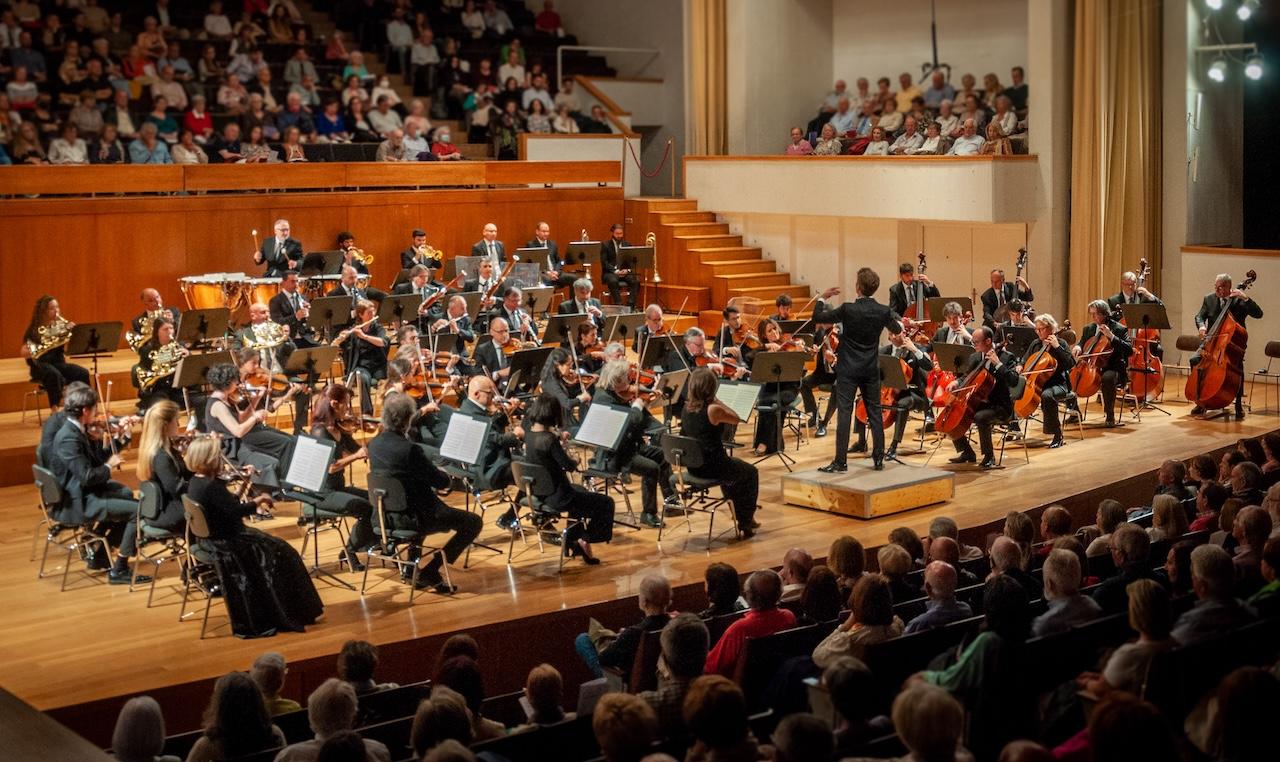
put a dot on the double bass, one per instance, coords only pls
(921, 325)
(1216, 379)
(1086, 376)
(955, 418)
(1146, 372)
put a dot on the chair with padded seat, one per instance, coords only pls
(1269, 380)
(317, 520)
(172, 545)
(201, 571)
(535, 482)
(72, 537)
(394, 546)
(693, 492)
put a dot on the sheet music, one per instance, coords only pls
(739, 396)
(602, 425)
(464, 438)
(310, 463)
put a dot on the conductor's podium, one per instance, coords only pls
(865, 493)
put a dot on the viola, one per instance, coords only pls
(728, 365)
(638, 375)
(1146, 372)
(1216, 379)
(745, 337)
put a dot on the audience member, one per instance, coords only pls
(798, 145)
(357, 663)
(821, 599)
(945, 526)
(970, 142)
(908, 141)
(802, 737)
(1055, 522)
(440, 718)
(268, 673)
(69, 147)
(871, 620)
(1240, 717)
(907, 93)
(461, 674)
(1168, 518)
(763, 591)
(877, 146)
(933, 144)
(1216, 611)
(997, 143)
(848, 560)
(618, 652)
(1267, 598)
(1177, 567)
(939, 90)
(715, 713)
(930, 722)
(1006, 560)
(236, 722)
(1251, 529)
(331, 710)
(1130, 549)
(895, 564)
(1019, 527)
(1124, 728)
(1111, 514)
(684, 643)
(1067, 608)
(1209, 501)
(853, 693)
(1126, 668)
(139, 732)
(625, 726)
(796, 565)
(947, 550)
(942, 608)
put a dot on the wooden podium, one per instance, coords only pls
(864, 493)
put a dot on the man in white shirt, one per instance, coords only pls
(399, 38)
(948, 123)
(425, 52)
(216, 24)
(539, 93)
(968, 144)
(512, 68)
(908, 141)
(567, 98)
(331, 709)
(383, 120)
(299, 66)
(171, 89)
(489, 245)
(496, 20)
(414, 143)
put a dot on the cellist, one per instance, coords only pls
(997, 407)
(1114, 366)
(1242, 309)
(912, 398)
(1057, 387)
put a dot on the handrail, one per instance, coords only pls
(91, 180)
(654, 53)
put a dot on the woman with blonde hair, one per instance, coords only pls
(158, 462)
(997, 143)
(1168, 520)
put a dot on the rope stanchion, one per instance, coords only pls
(665, 155)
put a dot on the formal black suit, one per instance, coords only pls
(991, 301)
(394, 455)
(491, 361)
(610, 258)
(1119, 298)
(574, 307)
(913, 398)
(644, 460)
(900, 301)
(1116, 369)
(551, 261)
(1057, 387)
(1241, 311)
(857, 364)
(283, 311)
(91, 493)
(372, 294)
(462, 327)
(481, 249)
(514, 321)
(543, 448)
(495, 454)
(430, 289)
(171, 475)
(409, 258)
(277, 256)
(476, 285)
(998, 406)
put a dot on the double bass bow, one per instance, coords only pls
(1215, 381)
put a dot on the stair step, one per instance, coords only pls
(667, 218)
(739, 266)
(769, 292)
(697, 228)
(727, 253)
(750, 279)
(705, 241)
(670, 204)
(723, 287)
(676, 297)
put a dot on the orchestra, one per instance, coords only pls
(430, 366)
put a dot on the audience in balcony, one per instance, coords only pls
(828, 142)
(798, 145)
(107, 148)
(148, 148)
(443, 146)
(877, 146)
(969, 143)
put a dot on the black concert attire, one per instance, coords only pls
(273, 360)
(52, 371)
(1119, 299)
(170, 473)
(490, 359)
(573, 306)
(543, 448)
(552, 261)
(356, 293)
(92, 495)
(394, 455)
(1057, 388)
(944, 335)
(434, 312)
(409, 258)
(586, 362)
(858, 365)
(284, 308)
(571, 406)
(768, 432)
(515, 321)
(644, 460)
(367, 361)
(262, 447)
(1115, 370)
(1210, 309)
(998, 407)
(277, 255)
(495, 454)
(911, 398)
(739, 480)
(902, 298)
(265, 584)
(162, 388)
(494, 251)
(610, 258)
(338, 497)
(678, 358)
(823, 373)
(993, 300)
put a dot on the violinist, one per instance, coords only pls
(553, 273)
(953, 331)
(352, 255)
(691, 354)
(782, 303)
(544, 446)
(1057, 388)
(1242, 308)
(902, 295)
(290, 309)
(364, 352)
(653, 326)
(158, 363)
(732, 335)
(521, 323)
(998, 405)
(455, 320)
(912, 398)
(404, 376)
(159, 462)
(494, 464)
(582, 303)
(824, 372)
(704, 419)
(562, 381)
(857, 363)
(332, 421)
(486, 280)
(1114, 365)
(43, 347)
(420, 283)
(768, 438)
(589, 348)
(416, 254)
(645, 461)
(493, 357)
(240, 421)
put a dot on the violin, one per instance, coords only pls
(261, 379)
(513, 346)
(728, 365)
(638, 375)
(745, 337)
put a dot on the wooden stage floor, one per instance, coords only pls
(96, 641)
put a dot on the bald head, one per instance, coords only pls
(796, 566)
(946, 550)
(1005, 554)
(940, 580)
(477, 387)
(151, 299)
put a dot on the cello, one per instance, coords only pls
(938, 379)
(888, 400)
(1037, 373)
(955, 418)
(1146, 372)
(1086, 376)
(1215, 381)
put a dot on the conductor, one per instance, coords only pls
(857, 362)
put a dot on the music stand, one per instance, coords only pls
(778, 368)
(199, 328)
(329, 312)
(935, 304)
(671, 386)
(537, 299)
(401, 277)
(891, 377)
(603, 425)
(656, 348)
(1153, 316)
(791, 326)
(394, 308)
(192, 369)
(1018, 338)
(306, 363)
(308, 468)
(528, 363)
(321, 263)
(464, 438)
(635, 258)
(584, 253)
(94, 340)
(564, 328)
(467, 264)
(954, 357)
(621, 327)
(525, 275)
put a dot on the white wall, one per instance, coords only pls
(776, 51)
(876, 38)
(586, 148)
(658, 24)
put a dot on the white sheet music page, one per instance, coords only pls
(310, 463)
(740, 397)
(602, 425)
(463, 439)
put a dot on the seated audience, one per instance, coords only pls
(820, 601)
(107, 148)
(715, 713)
(544, 690)
(798, 145)
(947, 551)
(357, 662)
(1019, 527)
(1267, 598)
(1239, 717)
(910, 542)
(848, 560)
(1177, 567)
(1055, 522)
(802, 737)
(684, 643)
(1111, 514)
(461, 674)
(268, 673)
(933, 144)
(331, 710)
(1209, 501)
(828, 142)
(1168, 518)
(909, 140)
(68, 147)
(969, 143)
(236, 723)
(1006, 560)
(796, 565)
(997, 143)
(1066, 606)
(762, 591)
(1126, 667)
(442, 717)
(1121, 728)
(1130, 549)
(618, 652)
(871, 620)
(625, 726)
(1217, 611)
(945, 526)
(930, 723)
(895, 564)
(1251, 529)
(940, 587)
(878, 145)
(724, 590)
(139, 732)
(852, 689)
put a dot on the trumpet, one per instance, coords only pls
(585, 237)
(425, 254)
(358, 256)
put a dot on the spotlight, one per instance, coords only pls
(1214, 5)
(1246, 9)
(1253, 67)
(1218, 69)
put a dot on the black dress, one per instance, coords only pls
(52, 371)
(262, 447)
(172, 476)
(543, 448)
(739, 480)
(352, 501)
(265, 584)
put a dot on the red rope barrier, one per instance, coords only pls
(665, 155)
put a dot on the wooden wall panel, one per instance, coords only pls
(95, 255)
